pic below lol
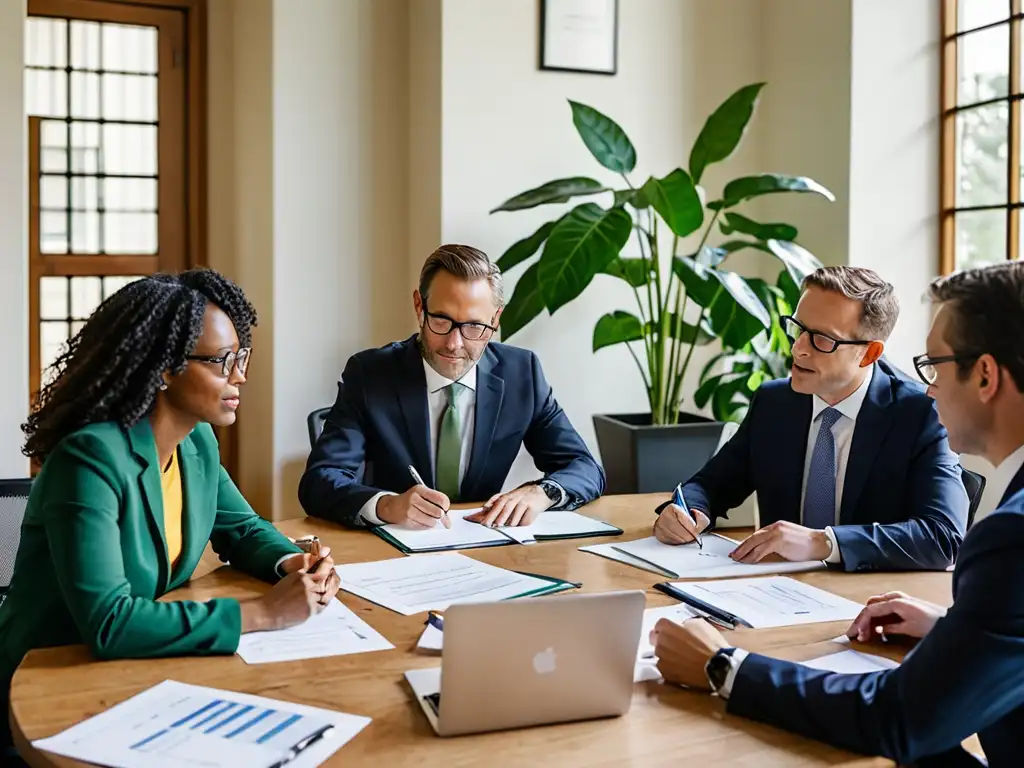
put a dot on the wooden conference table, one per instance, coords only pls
(57, 687)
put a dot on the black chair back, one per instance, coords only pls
(315, 424)
(13, 501)
(974, 484)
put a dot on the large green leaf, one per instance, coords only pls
(701, 287)
(734, 222)
(737, 315)
(746, 187)
(799, 262)
(526, 303)
(557, 191)
(634, 197)
(687, 333)
(604, 138)
(676, 200)
(732, 246)
(722, 132)
(709, 256)
(768, 294)
(616, 328)
(789, 287)
(582, 244)
(730, 397)
(633, 271)
(706, 389)
(523, 249)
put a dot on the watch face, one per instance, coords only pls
(550, 490)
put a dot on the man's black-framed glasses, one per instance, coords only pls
(442, 325)
(230, 362)
(820, 341)
(925, 366)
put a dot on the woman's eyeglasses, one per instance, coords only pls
(230, 362)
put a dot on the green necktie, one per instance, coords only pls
(449, 443)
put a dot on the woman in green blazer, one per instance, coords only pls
(131, 488)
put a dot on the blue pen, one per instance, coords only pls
(435, 620)
(679, 501)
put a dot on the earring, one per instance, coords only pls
(163, 386)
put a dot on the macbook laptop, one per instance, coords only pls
(513, 664)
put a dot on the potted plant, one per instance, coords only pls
(685, 298)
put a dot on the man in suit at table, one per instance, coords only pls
(966, 675)
(848, 459)
(453, 406)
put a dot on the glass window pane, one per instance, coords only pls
(85, 94)
(85, 148)
(130, 149)
(85, 296)
(129, 97)
(85, 233)
(981, 155)
(76, 327)
(46, 42)
(984, 65)
(53, 193)
(112, 285)
(53, 232)
(980, 238)
(129, 48)
(53, 137)
(52, 337)
(977, 13)
(129, 194)
(53, 298)
(46, 93)
(129, 233)
(85, 193)
(85, 45)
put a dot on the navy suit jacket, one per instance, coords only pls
(900, 475)
(380, 424)
(966, 676)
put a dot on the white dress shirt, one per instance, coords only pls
(842, 433)
(1005, 472)
(437, 403)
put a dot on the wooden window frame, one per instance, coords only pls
(949, 86)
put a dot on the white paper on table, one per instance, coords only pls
(677, 613)
(555, 524)
(712, 562)
(410, 585)
(851, 662)
(773, 601)
(610, 552)
(176, 724)
(432, 639)
(463, 533)
(335, 631)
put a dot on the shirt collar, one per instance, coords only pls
(849, 407)
(435, 381)
(1006, 471)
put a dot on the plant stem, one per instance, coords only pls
(639, 366)
(650, 343)
(648, 347)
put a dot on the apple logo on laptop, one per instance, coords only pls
(544, 661)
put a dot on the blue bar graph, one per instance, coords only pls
(151, 737)
(213, 716)
(250, 723)
(278, 728)
(198, 712)
(230, 718)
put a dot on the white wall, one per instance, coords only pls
(14, 394)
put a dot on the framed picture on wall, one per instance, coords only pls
(579, 36)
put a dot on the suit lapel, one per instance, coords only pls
(872, 427)
(193, 535)
(412, 400)
(1015, 486)
(490, 392)
(143, 446)
(795, 419)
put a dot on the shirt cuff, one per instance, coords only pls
(369, 509)
(735, 662)
(562, 498)
(834, 556)
(277, 565)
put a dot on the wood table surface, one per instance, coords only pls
(55, 688)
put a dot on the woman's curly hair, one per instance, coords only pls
(113, 367)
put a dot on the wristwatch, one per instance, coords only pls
(551, 490)
(718, 667)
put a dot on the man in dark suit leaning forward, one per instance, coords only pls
(452, 406)
(848, 459)
(966, 675)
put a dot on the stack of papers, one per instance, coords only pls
(410, 585)
(851, 662)
(559, 525)
(690, 561)
(335, 631)
(176, 724)
(676, 613)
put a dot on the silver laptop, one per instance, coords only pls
(528, 662)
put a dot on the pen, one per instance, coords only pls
(669, 590)
(304, 744)
(435, 619)
(700, 605)
(419, 481)
(679, 501)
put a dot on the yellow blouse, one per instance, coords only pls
(171, 481)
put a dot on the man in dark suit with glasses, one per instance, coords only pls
(441, 416)
(847, 457)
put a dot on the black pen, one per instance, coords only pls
(700, 605)
(303, 745)
(419, 481)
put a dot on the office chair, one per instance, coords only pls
(315, 424)
(13, 500)
(974, 484)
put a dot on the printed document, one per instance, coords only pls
(463, 534)
(851, 662)
(555, 525)
(712, 562)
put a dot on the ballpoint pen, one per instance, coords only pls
(679, 501)
(435, 619)
(419, 481)
(303, 745)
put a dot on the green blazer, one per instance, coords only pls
(93, 557)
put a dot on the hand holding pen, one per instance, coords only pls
(677, 524)
(419, 507)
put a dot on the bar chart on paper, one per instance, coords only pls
(174, 724)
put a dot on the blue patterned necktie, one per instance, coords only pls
(820, 499)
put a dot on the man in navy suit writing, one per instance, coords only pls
(966, 675)
(453, 407)
(848, 459)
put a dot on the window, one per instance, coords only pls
(981, 132)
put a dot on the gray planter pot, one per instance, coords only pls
(641, 458)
